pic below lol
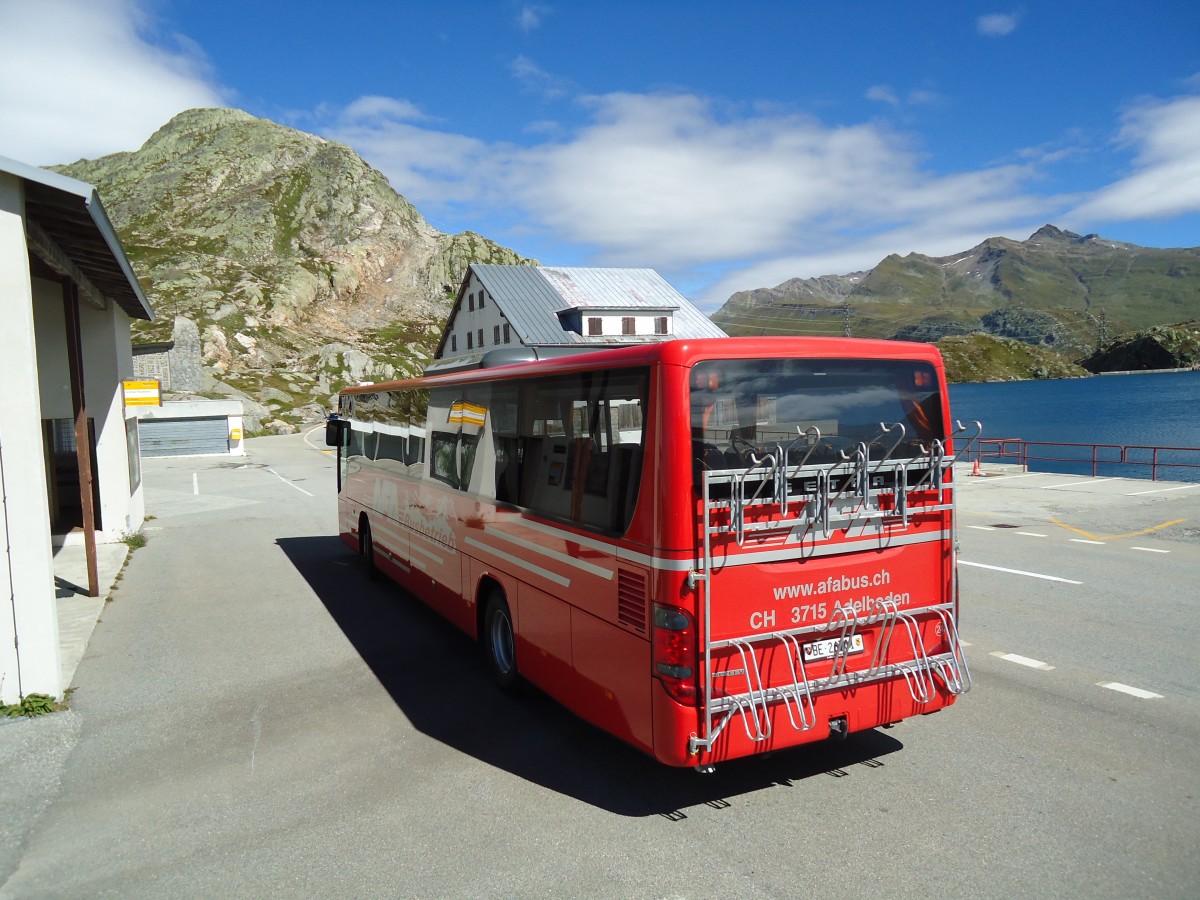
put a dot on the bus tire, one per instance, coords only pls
(499, 642)
(366, 548)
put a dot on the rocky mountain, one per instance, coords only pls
(295, 264)
(1057, 289)
(1161, 347)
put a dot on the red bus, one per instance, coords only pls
(710, 549)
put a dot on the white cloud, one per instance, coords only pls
(883, 93)
(682, 184)
(1165, 180)
(84, 78)
(667, 178)
(373, 107)
(997, 24)
(530, 17)
(535, 79)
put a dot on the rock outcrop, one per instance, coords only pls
(271, 245)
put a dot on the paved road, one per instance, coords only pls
(255, 718)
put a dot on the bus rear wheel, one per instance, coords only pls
(366, 548)
(499, 644)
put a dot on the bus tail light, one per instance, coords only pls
(675, 652)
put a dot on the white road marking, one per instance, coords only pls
(1151, 550)
(1082, 541)
(1089, 482)
(1184, 487)
(1032, 534)
(982, 527)
(1131, 691)
(288, 483)
(993, 479)
(1022, 660)
(963, 562)
(195, 484)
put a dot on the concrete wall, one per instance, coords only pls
(27, 611)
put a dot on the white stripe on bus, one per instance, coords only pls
(552, 554)
(522, 564)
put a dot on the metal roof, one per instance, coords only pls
(532, 297)
(70, 213)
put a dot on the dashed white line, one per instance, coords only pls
(1131, 691)
(963, 562)
(1022, 660)
(195, 484)
(982, 527)
(1082, 541)
(1032, 534)
(1150, 550)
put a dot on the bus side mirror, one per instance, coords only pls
(337, 433)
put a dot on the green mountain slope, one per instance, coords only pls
(1056, 289)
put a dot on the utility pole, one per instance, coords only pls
(846, 322)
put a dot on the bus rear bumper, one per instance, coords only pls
(680, 732)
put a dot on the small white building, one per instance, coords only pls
(564, 309)
(69, 462)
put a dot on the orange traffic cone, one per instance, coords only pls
(975, 469)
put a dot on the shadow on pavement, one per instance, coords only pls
(436, 676)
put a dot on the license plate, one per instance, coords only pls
(826, 649)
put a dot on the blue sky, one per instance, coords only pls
(728, 145)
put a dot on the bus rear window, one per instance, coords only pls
(816, 409)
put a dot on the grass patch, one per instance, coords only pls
(134, 541)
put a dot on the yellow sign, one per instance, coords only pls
(143, 393)
(468, 413)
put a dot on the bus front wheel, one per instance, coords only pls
(498, 642)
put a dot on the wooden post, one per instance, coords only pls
(83, 438)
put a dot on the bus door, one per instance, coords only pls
(435, 522)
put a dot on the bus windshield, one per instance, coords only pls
(816, 409)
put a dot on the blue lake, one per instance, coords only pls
(1157, 410)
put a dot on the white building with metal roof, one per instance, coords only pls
(563, 309)
(69, 466)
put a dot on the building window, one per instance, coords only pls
(595, 326)
(481, 295)
(454, 343)
(660, 325)
(470, 341)
(627, 325)
(507, 334)
(481, 338)
(471, 302)
(495, 334)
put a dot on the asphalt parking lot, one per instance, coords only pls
(253, 717)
